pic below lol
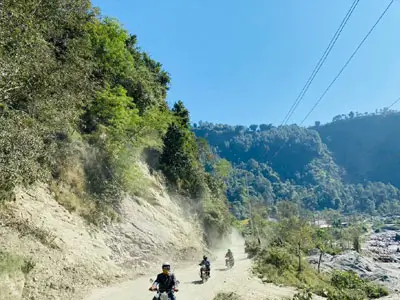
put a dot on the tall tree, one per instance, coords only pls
(182, 114)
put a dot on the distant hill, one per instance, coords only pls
(349, 164)
(368, 147)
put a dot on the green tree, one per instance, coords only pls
(222, 168)
(182, 114)
(38, 112)
(175, 161)
(114, 110)
(301, 236)
(287, 210)
(322, 241)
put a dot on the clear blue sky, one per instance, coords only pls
(244, 62)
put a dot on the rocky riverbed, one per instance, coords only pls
(379, 260)
(384, 246)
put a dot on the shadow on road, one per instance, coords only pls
(221, 269)
(196, 282)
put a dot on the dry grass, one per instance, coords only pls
(68, 197)
(83, 205)
(25, 228)
(70, 191)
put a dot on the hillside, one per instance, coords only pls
(366, 146)
(98, 175)
(349, 164)
(54, 254)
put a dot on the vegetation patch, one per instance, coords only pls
(279, 266)
(280, 248)
(10, 263)
(227, 296)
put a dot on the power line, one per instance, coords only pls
(348, 61)
(395, 102)
(320, 62)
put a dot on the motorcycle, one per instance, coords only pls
(164, 295)
(229, 262)
(204, 274)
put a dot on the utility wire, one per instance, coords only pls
(395, 102)
(320, 62)
(348, 61)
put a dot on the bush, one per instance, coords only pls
(303, 295)
(345, 295)
(252, 248)
(375, 291)
(355, 287)
(279, 265)
(227, 296)
(279, 258)
(346, 280)
(21, 150)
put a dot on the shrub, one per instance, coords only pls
(303, 295)
(227, 296)
(252, 248)
(279, 265)
(346, 280)
(355, 287)
(375, 291)
(278, 257)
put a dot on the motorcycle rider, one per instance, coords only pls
(166, 282)
(205, 262)
(229, 255)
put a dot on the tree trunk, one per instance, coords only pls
(300, 267)
(319, 261)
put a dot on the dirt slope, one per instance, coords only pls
(237, 280)
(70, 257)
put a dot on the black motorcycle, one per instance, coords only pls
(204, 275)
(162, 295)
(229, 262)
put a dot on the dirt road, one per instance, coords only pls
(238, 280)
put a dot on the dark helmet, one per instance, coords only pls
(204, 257)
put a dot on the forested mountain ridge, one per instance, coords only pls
(367, 146)
(349, 164)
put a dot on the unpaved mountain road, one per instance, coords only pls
(238, 279)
